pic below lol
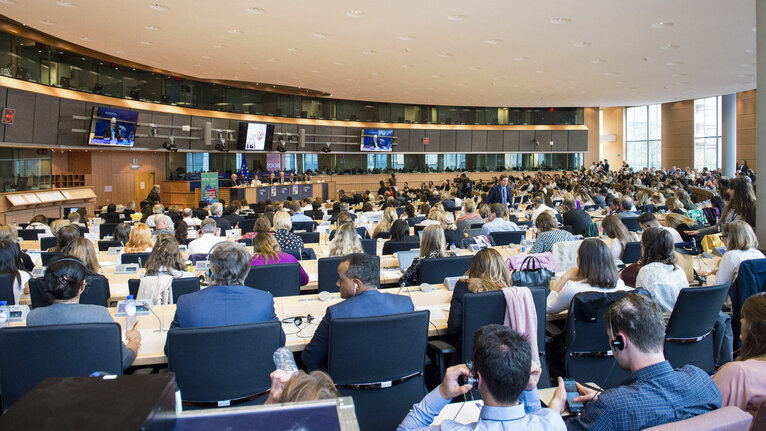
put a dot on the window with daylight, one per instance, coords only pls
(643, 136)
(707, 133)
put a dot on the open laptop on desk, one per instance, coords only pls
(406, 257)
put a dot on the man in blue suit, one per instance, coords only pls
(227, 301)
(500, 193)
(358, 275)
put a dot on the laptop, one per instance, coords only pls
(406, 257)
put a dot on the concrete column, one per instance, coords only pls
(729, 134)
(760, 150)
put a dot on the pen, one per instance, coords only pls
(134, 326)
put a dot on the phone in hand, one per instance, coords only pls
(571, 389)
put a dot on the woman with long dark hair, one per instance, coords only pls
(659, 273)
(741, 206)
(10, 263)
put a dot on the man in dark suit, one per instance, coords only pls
(315, 213)
(201, 212)
(466, 187)
(743, 167)
(233, 216)
(358, 276)
(344, 198)
(578, 219)
(217, 211)
(227, 301)
(500, 193)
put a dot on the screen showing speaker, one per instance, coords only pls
(112, 127)
(377, 139)
(255, 136)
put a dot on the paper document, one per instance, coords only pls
(468, 414)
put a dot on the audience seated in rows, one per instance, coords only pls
(432, 245)
(549, 233)
(267, 251)
(496, 221)
(207, 240)
(10, 263)
(741, 245)
(659, 273)
(140, 239)
(282, 225)
(616, 230)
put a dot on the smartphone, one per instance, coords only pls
(572, 393)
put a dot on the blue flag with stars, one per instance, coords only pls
(244, 173)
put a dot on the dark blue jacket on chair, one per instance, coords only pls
(366, 304)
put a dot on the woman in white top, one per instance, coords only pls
(615, 229)
(659, 273)
(10, 263)
(595, 271)
(741, 245)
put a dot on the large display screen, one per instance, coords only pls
(113, 127)
(377, 140)
(255, 136)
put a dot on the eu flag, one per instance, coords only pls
(243, 171)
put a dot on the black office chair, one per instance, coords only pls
(392, 347)
(659, 208)
(48, 242)
(6, 289)
(198, 257)
(280, 279)
(415, 220)
(384, 235)
(309, 237)
(105, 245)
(97, 292)
(689, 332)
(589, 207)
(308, 226)
(567, 228)
(223, 363)
(370, 246)
(181, 286)
(506, 238)
(83, 230)
(26, 354)
(29, 234)
(47, 257)
(589, 356)
(247, 241)
(106, 229)
(631, 223)
(327, 272)
(301, 253)
(526, 223)
(139, 258)
(396, 247)
(417, 229)
(434, 270)
(476, 225)
(632, 252)
(751, 279)
(247, 225)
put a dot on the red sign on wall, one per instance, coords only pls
(8, 115)
(425, 140)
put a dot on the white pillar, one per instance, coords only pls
(760, 149)
(729, 134)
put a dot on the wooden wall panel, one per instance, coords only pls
(591, 146)
(746, 128)
(613, 125)
(68, 108)
(109, 167)
(678, 134)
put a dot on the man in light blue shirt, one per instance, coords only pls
(495, 221)
(502, 364)
(297, 212)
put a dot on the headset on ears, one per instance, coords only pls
(356, 286)
(471, 379)
(617, 342)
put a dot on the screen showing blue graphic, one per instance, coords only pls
(113, 127)
(377, 140)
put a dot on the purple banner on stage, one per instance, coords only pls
(273, 162)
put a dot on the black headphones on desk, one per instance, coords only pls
(298, 320)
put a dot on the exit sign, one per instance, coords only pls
(8, 115)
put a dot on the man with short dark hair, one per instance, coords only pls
(358, 278)
(647, 220)
(201, 212)
(502, 363)
(577, 218)
(627, 208)
(500, 193)
(227, 301)
(656, 393)
(316, 210)
(495, 221)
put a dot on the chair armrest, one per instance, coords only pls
(441, 347)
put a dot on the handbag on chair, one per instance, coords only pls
(532, 273)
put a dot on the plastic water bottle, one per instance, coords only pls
(5, 314)
(130, 313)
(284, 360)
(452, 247)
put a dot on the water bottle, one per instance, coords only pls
(130, 313)
(452, 247)
(5, 314)
(284, 360)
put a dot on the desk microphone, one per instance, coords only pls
(150, 306)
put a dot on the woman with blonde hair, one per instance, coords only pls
(682, 224)
(675, 206)
(57, 224)
(658, 199)
(389, 217)
(346, 241)
(83, 250)
(615, 229)
(140, 240)
(451, 234)
(267, 252)
(642, 198)
(287, 387)
(434, 215)
(282, 225)
(741, 245)
(432, 245)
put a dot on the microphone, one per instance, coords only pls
(150, 306)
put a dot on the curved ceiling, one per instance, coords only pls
(469, 53)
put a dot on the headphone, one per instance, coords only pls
(618, 342)
(298, 320)
(356, 286)
(471, 379)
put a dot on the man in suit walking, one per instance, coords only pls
(500, 193)
(358, 276)
(227, 301)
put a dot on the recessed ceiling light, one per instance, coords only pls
(338, 63)
(406, 66)
(668, 47)
(456, 17)
(662, 24)
(375, 74)
(316, 71)
(158, 6)
(217, 46)
(368, 52)
(541, 71)
(445, 55)
(750, 50)
(205, 57)
(474, 68)
(621, 82)
(318, 34)
(753, 29)
(747, 65)
(293, 49)
(435, 76)
(48, 22)
(406, 37)
(521, 58)
(272, 60)
(674, 63)
(560, 21)
(256, 10)
(146, 42)
(235, 31)
(85, 38)
(151, 27)
(7, 1)
(581, 44)
(493, 41)
(63, 3)
(254, 68)
(598, 60)
(355, 13)
(610, 73)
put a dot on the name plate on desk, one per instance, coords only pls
(126, 268)
(18, 312)
(449, 282)
(91, 236)
(114, 250)
(38, 271)
(233, 233)
(202, 265)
